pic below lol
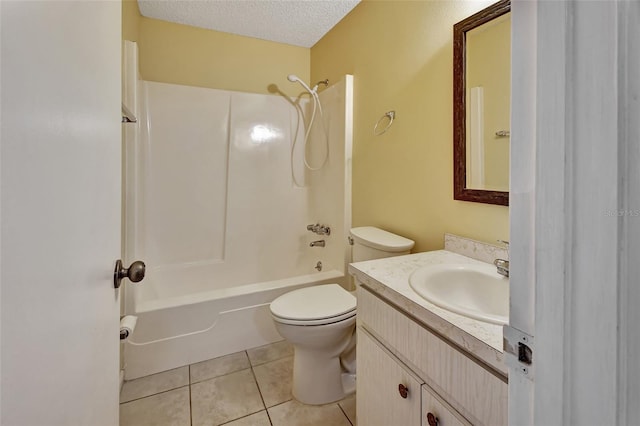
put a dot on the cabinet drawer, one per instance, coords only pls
(477, 393)
(379, 399)
(440, 410)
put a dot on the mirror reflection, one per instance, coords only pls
(488, 90)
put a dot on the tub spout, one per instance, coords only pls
(319, 243)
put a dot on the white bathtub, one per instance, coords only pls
(182, 330)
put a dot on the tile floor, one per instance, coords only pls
(248, 388)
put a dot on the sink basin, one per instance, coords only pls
(473, 290)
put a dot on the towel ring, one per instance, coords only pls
(391, 115)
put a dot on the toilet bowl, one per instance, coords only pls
(320, 323)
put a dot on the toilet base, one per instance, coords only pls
(348, 383)
(318, 379)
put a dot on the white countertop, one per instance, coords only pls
(389, 278)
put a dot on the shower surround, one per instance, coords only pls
(217, 203)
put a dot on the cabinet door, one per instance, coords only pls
(381, 384)
(436, 412)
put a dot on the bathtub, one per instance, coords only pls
(181, 330)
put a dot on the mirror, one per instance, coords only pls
(481, 105)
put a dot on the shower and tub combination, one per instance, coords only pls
(217, 203)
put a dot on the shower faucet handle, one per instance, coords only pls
(319, 229)
(323, 230)
(314, 228)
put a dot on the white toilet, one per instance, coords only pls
(320, 321)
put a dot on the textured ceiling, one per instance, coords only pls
(297, 22)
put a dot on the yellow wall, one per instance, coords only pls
(130, 20)
(400, 53)
(181, 54)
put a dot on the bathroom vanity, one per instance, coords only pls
(419, 364)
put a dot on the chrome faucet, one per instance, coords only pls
(319, 229)
(502, 267)
(319, 243)
(501, 264)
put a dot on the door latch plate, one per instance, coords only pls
(518, 349)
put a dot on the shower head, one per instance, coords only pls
(293, 78)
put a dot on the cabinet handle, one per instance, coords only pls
(404, 391)
(432, 420)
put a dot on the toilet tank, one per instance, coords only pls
(370, 243)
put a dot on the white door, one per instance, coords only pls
(61, 192)
(575, 211)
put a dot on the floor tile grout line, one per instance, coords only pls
(255, 379)
(344, 412)
(244, 417)
(262, 408)
(264, 404)
(190, 403)
(258, 382)
(283, 402)
(269, 417)
(154, 394)
(271, 360)
(155, 374)
(264, 362)
(221, 375)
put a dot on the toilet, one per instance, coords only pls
(319, 322)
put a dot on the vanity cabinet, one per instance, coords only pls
(436, 412)
(394, 349)
(387, 392)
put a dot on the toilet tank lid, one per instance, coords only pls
(380, 239)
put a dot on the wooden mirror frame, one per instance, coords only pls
(460, 190)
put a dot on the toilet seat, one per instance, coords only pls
(323, 321)
(317, 305)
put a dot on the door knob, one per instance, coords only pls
(432, 420)
(135, 272)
